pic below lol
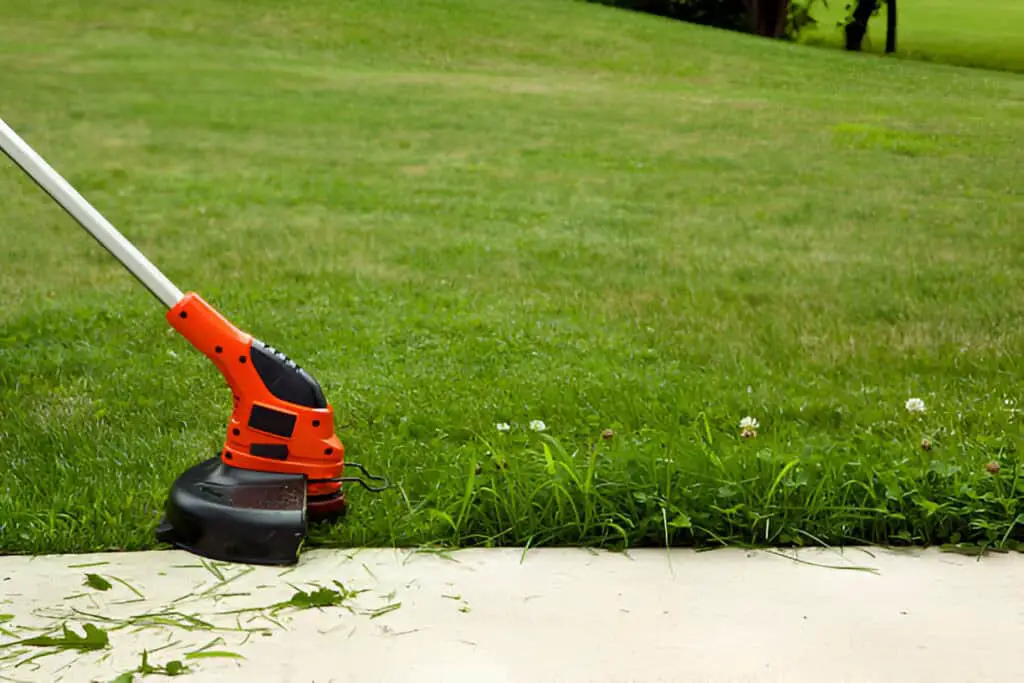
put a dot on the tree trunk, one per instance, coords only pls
(858, 25)
(769, 17)
(890, 28)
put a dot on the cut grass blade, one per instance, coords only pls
(869, 570)
(213, 643)
(212, 568)
(213, 654)
(130, 587)
(381, 611)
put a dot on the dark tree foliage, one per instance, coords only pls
(769, 18)
(727, 14)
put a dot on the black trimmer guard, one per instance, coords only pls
(234, 515)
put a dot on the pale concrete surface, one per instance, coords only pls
(555, 615)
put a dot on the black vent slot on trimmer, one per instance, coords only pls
(274, 451)
(272, 421)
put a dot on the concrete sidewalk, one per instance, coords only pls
(553, 615)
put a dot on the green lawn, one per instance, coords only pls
(464, 213)
(987, 34)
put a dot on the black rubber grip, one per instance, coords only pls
(284, 379)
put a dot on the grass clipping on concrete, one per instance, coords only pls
(472, 215)
(83, 631)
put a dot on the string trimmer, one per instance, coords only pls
(281, 464)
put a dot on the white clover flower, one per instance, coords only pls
(915, 405)
(748, 427)
(503, 426)
(538, 425)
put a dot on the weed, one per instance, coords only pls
(97, 582)
(93, 638)
(316, 599)
(145, 668)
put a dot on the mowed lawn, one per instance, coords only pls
(987, 35)
(464, 213)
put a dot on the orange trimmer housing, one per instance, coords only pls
(281, 421)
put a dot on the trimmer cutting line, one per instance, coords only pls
(282, 463)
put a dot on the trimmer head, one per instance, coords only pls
(230, 514)
(235, 515)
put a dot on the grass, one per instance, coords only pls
(980, 34)
(463, 213)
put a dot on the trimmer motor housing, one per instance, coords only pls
(281, 421)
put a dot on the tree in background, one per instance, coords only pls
(857, 24)
(768, 18)
(726, 14)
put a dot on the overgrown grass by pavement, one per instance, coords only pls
(988, 35)
(468, 213)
